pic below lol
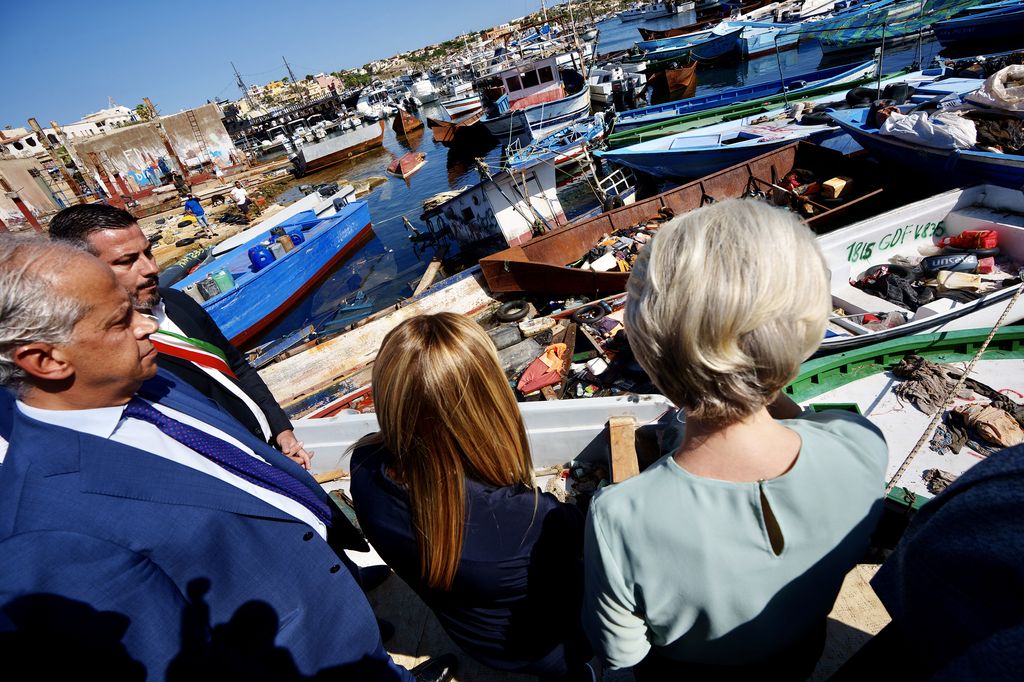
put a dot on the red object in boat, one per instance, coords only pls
(408, 164)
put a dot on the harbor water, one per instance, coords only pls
(388, 267)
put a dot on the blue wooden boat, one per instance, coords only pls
(948, 168)
(795, 84)
(703, 46)
(697, 153)
(260, 296)
(560, 147)
(981, 30)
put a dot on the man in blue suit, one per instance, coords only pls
(140, 525)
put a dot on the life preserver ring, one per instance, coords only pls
(589, 314)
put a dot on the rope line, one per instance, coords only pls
(926, 436)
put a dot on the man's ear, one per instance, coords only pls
(43, 361)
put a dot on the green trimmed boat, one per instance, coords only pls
(860, 380)
(732, 112)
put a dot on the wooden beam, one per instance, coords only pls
(622, 431)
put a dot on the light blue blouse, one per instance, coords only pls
(685, 564)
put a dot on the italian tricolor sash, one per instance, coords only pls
(195, 350)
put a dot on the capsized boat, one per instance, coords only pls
(506, 207)
(449, 132)
(794, 85)
(862, 380)
(406, 165)
(337, 148)
(887, 249)
(541, 265)
(256, 287)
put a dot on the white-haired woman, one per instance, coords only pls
(725, 557)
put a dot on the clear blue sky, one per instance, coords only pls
(62, 59)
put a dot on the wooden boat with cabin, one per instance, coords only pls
(540, 264)
(706, 18)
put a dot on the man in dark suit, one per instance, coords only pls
(193, 346)
(140, 524)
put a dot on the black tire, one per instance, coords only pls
(184, 242)
(861, 96)
(588, 314)
(185, 223)
(816, 118)
(513, 311)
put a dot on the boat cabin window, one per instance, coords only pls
(467, 214)
(546, 74)
(530, 79)
(513, 83)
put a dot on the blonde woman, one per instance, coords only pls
(724, 558)
(445, 494)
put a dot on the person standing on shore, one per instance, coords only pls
(194, 208)
(241, 198)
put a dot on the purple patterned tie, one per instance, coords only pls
(231, 458)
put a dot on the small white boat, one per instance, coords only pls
(908, 233)
(608, 80)
(655, 10)
(460, 106)
(422, 88)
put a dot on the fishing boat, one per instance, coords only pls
(705, 149)
(541, 264)
(616, 81)
(978, 32)
(563, 147)
(262, 287)
(422, 88)
(794, 85)
(705, 46)
(908, 233)
(506, 207)
(759, 38)
(701, 152)
(898, 23)
(375, 102)
(459, 106)
(534, 99)
(324, 201)
(404, 166)
(706, 18)
(405, 123)
(448, 132)
(337, 148)
(945, 167)
(861, 380)
(655, 10)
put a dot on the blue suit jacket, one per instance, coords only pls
(171, 567)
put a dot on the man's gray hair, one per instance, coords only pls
(32, 309)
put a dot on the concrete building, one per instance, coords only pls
(137, 154)
(43, 193)
(19, 143)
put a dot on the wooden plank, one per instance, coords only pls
(431, 274)
(622, 431)
(329, 476)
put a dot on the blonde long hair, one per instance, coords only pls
(446, 412)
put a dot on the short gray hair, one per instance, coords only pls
(724, 304)
(32, 308)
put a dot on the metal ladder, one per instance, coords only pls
(198, 133)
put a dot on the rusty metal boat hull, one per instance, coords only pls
(539, 265)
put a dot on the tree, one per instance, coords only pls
(308, 77)
(143, 112)
(285, 79)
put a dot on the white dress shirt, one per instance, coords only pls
(109, 422)
(167, 324)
